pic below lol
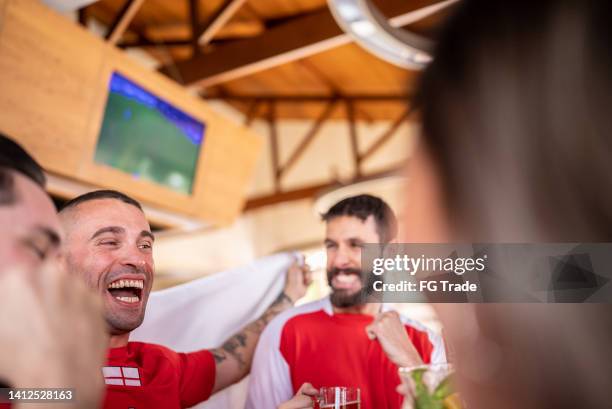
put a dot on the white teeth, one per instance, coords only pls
(346, 278)
(127, 283)
(128, 299)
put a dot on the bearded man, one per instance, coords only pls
(341, 340)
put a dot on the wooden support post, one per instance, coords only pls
(386, 135)
(274, 150)
(350, 113)
(308, 138)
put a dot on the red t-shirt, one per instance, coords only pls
(149, 376)
(334, 350)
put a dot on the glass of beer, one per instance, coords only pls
(338, 397)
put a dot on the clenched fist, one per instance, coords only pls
(299, 277)
(388, 329)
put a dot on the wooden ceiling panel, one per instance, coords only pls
(346, 70)
(355, 71)
(288, 79)
(284, 110)
(273, 9)
(382, 110)
(364, 111)
(430, 25)
(104, 11)
(166, 55)
(163, 19)
(162, 11)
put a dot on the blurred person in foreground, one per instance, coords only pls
(340, 340)
(51, 329)
(110, 244)
(517, 147)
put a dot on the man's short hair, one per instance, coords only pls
(14, 158)
(364, 206)
(98, 195)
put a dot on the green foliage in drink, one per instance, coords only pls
(426, 400)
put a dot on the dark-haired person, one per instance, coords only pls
(339, 340)
(51, 329)
(517, 148)
(109, 243)
(29, 225)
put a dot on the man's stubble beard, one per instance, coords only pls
(340, 298)
(115, 325)
(118, 326)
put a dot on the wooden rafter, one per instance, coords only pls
(274, 150)
(281, 196)
(82, 16)
(251, 112)
(352, 123)
(299, 99)
(330, 84)
(275, 46)
(216, 22)
(310, 192)
(307, 139)
(144, 41)
(381, 140)
(295, 39)
(122, 21)
(194, 17)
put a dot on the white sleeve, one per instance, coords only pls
(438, 354)
(270, 380)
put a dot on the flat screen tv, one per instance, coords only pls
(147, 137)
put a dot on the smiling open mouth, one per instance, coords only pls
(128, 291)
(346, 281)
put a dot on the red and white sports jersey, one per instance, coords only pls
(312, 344)
(149, 376)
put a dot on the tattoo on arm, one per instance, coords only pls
(218, 355)
(235, 345)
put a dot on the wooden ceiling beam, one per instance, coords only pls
(122, 21)
(274, 148)
(216, 22)
(354, 136)
(288, 196)
(330, 84)
(251, 112)
(82, 16)
(298, 38)
(194, 21)
(381, 140)
(308, 138)
(144, 41)
(300, 99)
(310, 192)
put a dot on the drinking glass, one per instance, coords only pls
(338, 397)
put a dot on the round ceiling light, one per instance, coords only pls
(369, 28)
